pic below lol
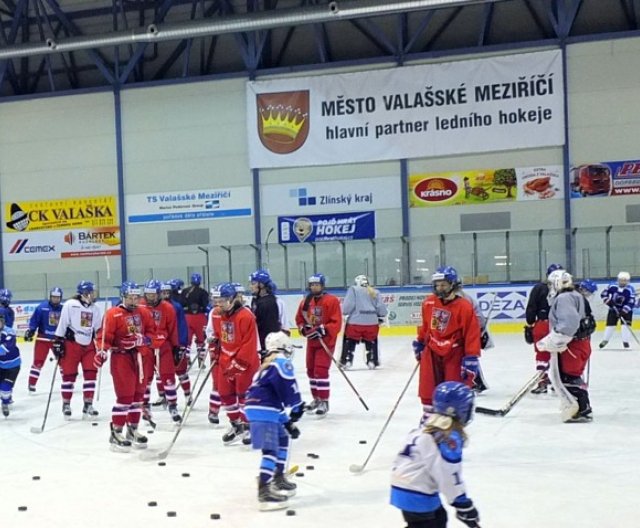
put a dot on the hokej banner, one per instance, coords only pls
(608, 178)
(480, 105)
(325, 228)
(481, 186)
(68, 213)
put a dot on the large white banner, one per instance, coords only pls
(331, 196)
(177, 206)
(481, 105)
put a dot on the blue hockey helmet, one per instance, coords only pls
(317, 278)
(229, 290)
(261, 276)
(85, 287)
(129, 288)
(55, 292)
(5, 296)
(454, 399)
(196, 279)
(166, 287)
(553, 267)
(588, 285)
(152, 286)
(176, 284)
(446, 274)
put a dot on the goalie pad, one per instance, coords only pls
(554, 342)
(568, 403)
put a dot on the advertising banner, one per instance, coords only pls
(482, 186)
(324, 228)
(72, 243)
(480, 105)
(176, 206)
(331, 196)
(609, 178)
(69, 213)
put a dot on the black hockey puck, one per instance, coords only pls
(150, 431)
(215, 516)
(186, 475)
(363, 441)
(22, 508)
(171, 514)
(313, 455)
(35, 477)
(291, 512)
(94, 423)
(310, 468)
(300, 474)
(162, 463)
(152, 503)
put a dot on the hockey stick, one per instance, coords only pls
(355, 468)
(624, 322)
(152, 455)
(195, 384)
(38, 430)
(335, 362)
(104, 316)
(503, 411)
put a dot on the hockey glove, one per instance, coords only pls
(293, 431)
(467, 513)
(178, 354)
(58, 348)
(484, 339)
(470, 367)
(418, 347)
(28, 334)
(296, 413)
(317, 332)
(380, 320)
(100, 358)
(528, 334)
(304, 330)
(554, 342)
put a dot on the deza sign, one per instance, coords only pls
(331, 196)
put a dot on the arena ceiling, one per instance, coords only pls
(59, 45)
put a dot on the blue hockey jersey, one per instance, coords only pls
(9, 352)
(9, 315)
(622, 298)
(274, 389)
(183, 330)
(45, 319)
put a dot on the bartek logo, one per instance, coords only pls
(21, 247)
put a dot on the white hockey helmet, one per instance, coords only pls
(560, 280)
(278, 342)
(361, 280)
(624, 276)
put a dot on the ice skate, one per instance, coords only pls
(32, 390)
(66, 410)
(269, 500)
(323, 408)
(213, 418)
(119, 443)
(88, 412)
(246, 435)
(232, 434)
(175, 415)
(283, 486)
(625, 345)
(311, 407)
(371, 365)
(137, 439)
(603, 344)
(160, 402)
(543, 385)
(584, 416)
(5, 410)
(147, 416)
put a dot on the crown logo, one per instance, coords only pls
(283, 120)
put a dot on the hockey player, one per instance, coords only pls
(431, 463)
(213, 333)
(5, 308)
(195, 300)
(319, 319)
(570, 329)
(9, 364)
(264, 305)
(448, 341)
(164, 317)
(620, 298)
(239, 359)
(44, 320)
(537, 326)
(364, 312)
(73, 345)
(129, 334)
(273, 391)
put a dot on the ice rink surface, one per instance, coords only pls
(524, 470)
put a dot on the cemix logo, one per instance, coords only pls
(283, 120)
(21, 246)
(435, 189)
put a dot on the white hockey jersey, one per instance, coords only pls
(363, 306)
(429, 464)
(84, 321)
